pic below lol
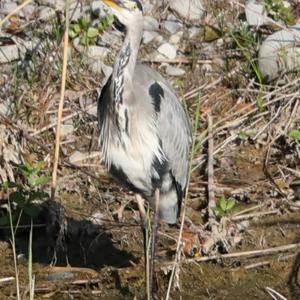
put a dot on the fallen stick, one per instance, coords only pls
(255, 215)
(252, 253)
(210, 172)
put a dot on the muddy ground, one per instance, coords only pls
(99, 254)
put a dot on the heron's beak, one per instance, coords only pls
(113, 4)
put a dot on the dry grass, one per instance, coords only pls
(254, 157)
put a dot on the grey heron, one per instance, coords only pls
(144, 130)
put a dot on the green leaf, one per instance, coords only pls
(295, 134)
(230, 204)
(218, 211)
(84, 24)
(39, 166)
(9, 185)
(223, 204)
(76, 28)
(72, 34)
(243, 136)
(17, 197)
(92, 32)
(41, 180)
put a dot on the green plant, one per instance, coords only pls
(224, 206)
(23, 194)
(245, 40)
(295, 134)
(279, 11)
(86, 32)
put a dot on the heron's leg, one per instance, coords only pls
(154, 235)
(141, 205)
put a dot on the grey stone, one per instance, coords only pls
(174, 71)
(256, 14)
(192, 10)
(172, 26)
(66, 129)
(97, 52)
(45, 12)
(168, 50)
(9, 53)
(28, 11)
(150, 24)
(99, 9)
(194, 32)
(176, 38)
(280, 52)
(6, 8)
(55, 4)
(148, 36)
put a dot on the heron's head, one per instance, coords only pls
(127, 11)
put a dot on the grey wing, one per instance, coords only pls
(172, 123)
(175, 134)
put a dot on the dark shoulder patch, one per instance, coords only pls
(156, 92)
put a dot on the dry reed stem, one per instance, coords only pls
(18, 8)
(210, 172)
(61, 104)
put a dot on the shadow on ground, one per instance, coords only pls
(81, 243)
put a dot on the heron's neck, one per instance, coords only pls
(126, 60)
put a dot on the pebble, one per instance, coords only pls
(176, 38)
(150, 24)
(97, 52)
(172, 26)
(168, 50)
(256, 14)
(191, 10)
(8, 7)
(279, 52)
(66, 129)
(28, 11)
(9, 53)
(99, 9)
(148, 36)
(174, 71)
(194, 32)
(45, 12)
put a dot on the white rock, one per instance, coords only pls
(279, 52)
(174, 71)
(176, 38)
(97, 52)
(9, 53)
(45, 12)
(194, 32)
(256, 14)
(148, 36)
(98, 67)
(8, 8)
(66, 129)
(172, 26)
(192, 10)
(158, 39)
(55, 4)
(99, 9)
(168, 50)
(28, 11)
(150, 24)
